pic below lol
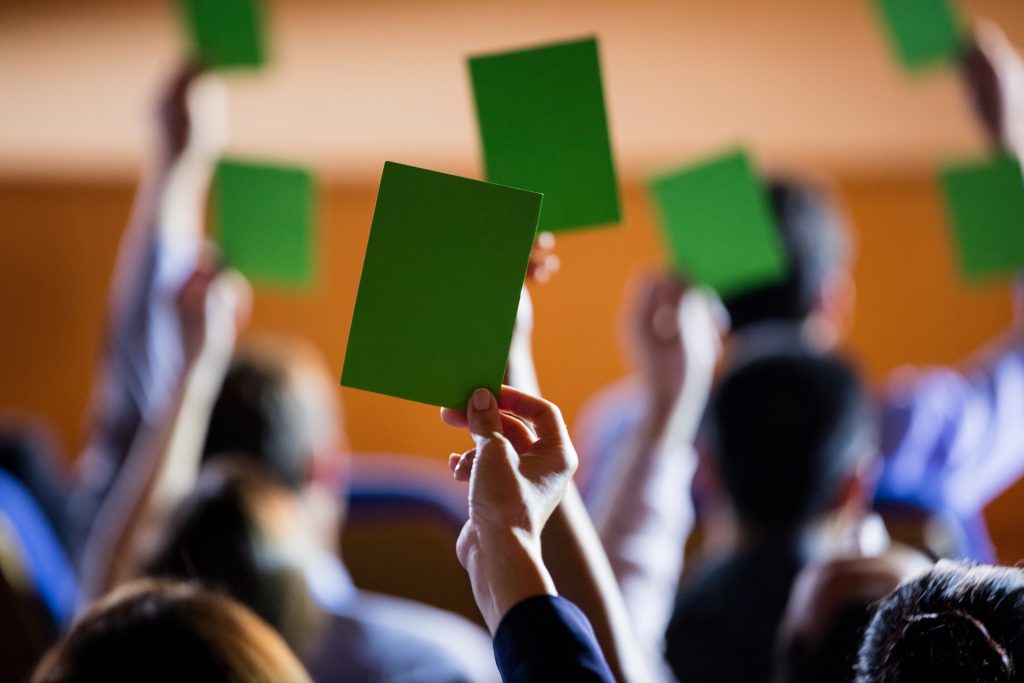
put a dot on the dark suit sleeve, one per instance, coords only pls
(547, 638)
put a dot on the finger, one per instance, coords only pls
(518, 434)
(234, 294)
(542, 269)
(719, 313)
(482, 414)
(546, 240)
(454, 418)
(464, 465)
(543, 415)
(453, 461)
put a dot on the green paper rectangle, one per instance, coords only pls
(263, 218)
(985, 203)
(226, 33)
(922, 32)
(440, 286)
(718, 224)
(543, 128)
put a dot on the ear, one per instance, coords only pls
(853, 494)
(833, 311)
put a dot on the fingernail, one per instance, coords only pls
(481, 399)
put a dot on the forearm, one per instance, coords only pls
(648, 515)
(582, 573)
(160, 469)
(505, 567)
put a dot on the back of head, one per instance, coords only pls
(275, 407)
(954, 624)
(788, 430)
(158, 631)
(829, 609)
(815, 244)
(243, 534)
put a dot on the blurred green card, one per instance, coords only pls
(922, 32)
(226, 33)
(544, 129)
(440, 286)
(719, 225)
(985, 202)
(264, 221)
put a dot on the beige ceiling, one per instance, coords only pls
(352, 83)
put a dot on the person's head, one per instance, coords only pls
(161, 632)
(244, 534)
(791, 435)
(817, 287)
(957, 623)
(829, 609)
(277, 406)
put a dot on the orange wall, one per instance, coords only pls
(58, 241)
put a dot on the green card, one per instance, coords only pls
(543, 128)
(985, 202)
(719, 225)
(440, 286)
(922, 32)
(263, 218)
(226, 33)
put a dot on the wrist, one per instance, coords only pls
(509, 562)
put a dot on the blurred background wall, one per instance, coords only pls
(808, 84)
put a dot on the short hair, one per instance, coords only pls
(957, 622)
(787, 429)
(162, 632)
(234, 534)
(261, 413)
(814, 242)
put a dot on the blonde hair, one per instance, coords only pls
(156, 630)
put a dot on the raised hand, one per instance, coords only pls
(192, 114)
(676, 337)
(543, 261)
(517, 477)
(213, 305)
(994, 73)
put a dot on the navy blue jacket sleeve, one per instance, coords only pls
(547, 638)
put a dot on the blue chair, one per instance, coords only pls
(404, 516)
(49, 572)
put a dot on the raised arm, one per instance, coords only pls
(517, 478)
(646, 513)
(142, 354)
(952, 438)
(163, 465)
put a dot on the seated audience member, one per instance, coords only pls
(244, 533)
(169, 633)
(829, 609)
(519, 474)
(794, 447)
(957, 623)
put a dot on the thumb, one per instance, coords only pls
(482, 415)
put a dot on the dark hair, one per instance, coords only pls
(259, 416)
(814, 243)
(233, 536)
(787, 429)
(161, 632)
(959, 622)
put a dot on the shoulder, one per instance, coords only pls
(401, 640)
